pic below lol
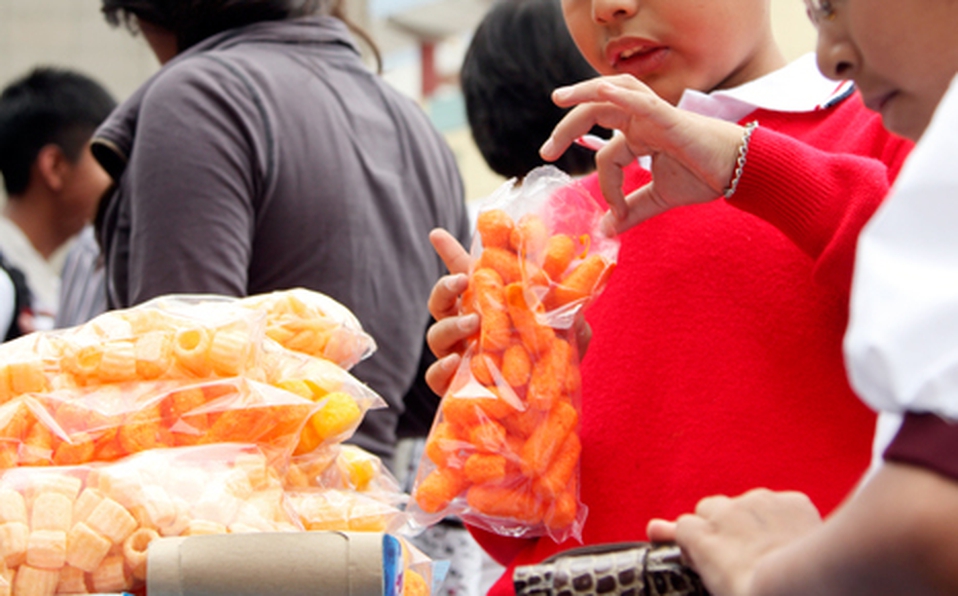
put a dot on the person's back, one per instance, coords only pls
(302, 168)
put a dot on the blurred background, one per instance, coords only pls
(422, 42)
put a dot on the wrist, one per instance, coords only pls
(741, 159)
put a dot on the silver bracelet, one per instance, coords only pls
(740, 162)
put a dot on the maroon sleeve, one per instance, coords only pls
(928, 441)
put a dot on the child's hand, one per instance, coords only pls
(447, 336)
(725, 538)
(693, 156)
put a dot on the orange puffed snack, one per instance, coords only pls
(503, 452)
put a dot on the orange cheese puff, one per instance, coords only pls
(235, 425)
(414, 584)
(516, 366)
(487, 285)
(560, 250)
(179, 408)
(563, 511)
(37, 448)
(498, 501)
(443, 444)
(141, 433)
(547, 438)
(108, 447)
(495, 228)
(581, 282)
(537, 337)
(480, 365)
(80, 449)
(556, 478)
(467, 412)
(503, 261)
(495, 331)
(490, 436)
(495, 408)
(441, 486)
(9, 455)
(521, 424)
(485, 467)
(530, 236)
(27, 377)
(15, 420)
(545, 386)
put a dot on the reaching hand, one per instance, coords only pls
(725, 539)
(693, 156)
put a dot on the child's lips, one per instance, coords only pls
(635, 56)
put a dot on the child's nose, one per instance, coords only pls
(608, 11)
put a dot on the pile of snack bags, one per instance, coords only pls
(183, 416)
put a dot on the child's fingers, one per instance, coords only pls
(439, 375)
(579, 121)
(610, 161)
(444, 298)
(591, 90)
(452, 253)
(447, 335)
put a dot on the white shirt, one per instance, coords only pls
(901, 348)
(7, 302)
(43, 276)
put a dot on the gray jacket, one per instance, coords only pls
(268, 157)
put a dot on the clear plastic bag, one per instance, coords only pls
(503, 452)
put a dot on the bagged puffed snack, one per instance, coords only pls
(182, 340)
(108, 422)
(503, 452)
(73, 530)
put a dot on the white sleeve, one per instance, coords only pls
(901, 348)
(7, 303)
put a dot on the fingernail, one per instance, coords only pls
(468, 322)
(561, 93)
(449, 362)
(547, 148)
(607, 224)
(456, 282)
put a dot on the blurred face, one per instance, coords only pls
(84, 182)
(673, 45)
(901, 55)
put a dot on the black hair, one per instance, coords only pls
(192, 21)
(47, 106)
(518, 55)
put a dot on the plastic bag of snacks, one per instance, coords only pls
(181, 340)
(421, 575)
(315, 324)
(345, 467)
(503, 452)
(329, 509)
(105, 423)
(76, 529)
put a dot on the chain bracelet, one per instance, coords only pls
(740, 162)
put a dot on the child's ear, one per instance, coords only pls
(52, 166)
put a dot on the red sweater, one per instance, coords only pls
(716, 364)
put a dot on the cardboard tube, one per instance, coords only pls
(279, 564)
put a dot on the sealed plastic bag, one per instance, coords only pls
(503, 452)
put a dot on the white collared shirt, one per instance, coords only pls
(901, 348)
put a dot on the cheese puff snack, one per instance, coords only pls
(503, 452)
(347, 468)
(342, 399)
(105, 423)
(328, 509)
(312, 323)
(168, 338)
(421, 575)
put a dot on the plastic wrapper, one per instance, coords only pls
(421, 575)
(87, 528)
(180, 340)
(503, 452)
(327, 509)
(75, 426)
(345, 467)
(313, 323)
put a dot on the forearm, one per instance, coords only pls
(898, 535)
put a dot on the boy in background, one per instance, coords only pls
(53, 183)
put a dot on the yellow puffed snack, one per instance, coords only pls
(255, 468)
(51, 511)
(191, 347)
(156, 510)
(31, 581)
(68, 486)
(134, 551)
(13, 543)
(72, 581)
(111, 575)
(27, 376)
(154, 353)
(198, 527)
(85, 504)
(112, 520)
(229, 352)
(47, 549)
(118, 362)
(12, 506)
(86, 549)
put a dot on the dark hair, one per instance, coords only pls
(192, 21)
(48, 105)
(519, 54)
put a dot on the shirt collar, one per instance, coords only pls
(796, 87)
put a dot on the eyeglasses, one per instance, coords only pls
(820, 10)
